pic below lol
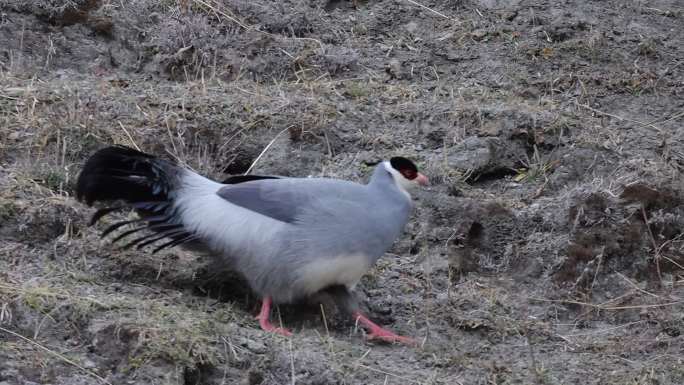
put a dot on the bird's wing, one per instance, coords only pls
(287, 198)
(235, 179)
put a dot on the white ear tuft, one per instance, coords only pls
(404, 184)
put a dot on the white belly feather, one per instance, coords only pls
(324, 272)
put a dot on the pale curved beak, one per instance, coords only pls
(422, 180)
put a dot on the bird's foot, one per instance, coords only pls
(265, 323)
(376, 332)
(267, 326)
(387, 336)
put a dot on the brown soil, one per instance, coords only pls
(549, 248)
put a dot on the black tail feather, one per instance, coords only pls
(122, 173)
(187, 239)
(147, 241)
(102, 212)
(120, 224)
(159, 228)
(143, 182)
(117, 225)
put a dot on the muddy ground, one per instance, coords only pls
(549, 248)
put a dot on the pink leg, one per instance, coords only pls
(264, 321)
(377, 332)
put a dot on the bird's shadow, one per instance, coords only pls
(229, 287)
(225, 286)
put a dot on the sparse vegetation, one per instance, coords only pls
(548, 250)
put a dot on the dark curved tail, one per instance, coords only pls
(141, 182)
(122, 173)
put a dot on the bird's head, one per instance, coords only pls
(405, 173)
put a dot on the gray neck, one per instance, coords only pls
(381, 176)
(391, 205)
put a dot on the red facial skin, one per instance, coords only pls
(415, 176)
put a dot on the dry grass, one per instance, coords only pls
(328, 96)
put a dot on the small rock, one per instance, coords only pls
(253, 346)
(473, 153)
(393, 68)
(254, 377)
(509, 15)
(89, 364)
(484, 155)
(411, 27)
(529, 93)
(102, 26)
(381, 309)
(479, 34)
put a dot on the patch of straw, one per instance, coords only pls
(57, 355)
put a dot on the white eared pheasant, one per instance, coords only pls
(290, 238)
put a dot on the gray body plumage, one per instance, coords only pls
(289, 237)
(292, 237)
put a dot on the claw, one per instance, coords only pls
(378, 333)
